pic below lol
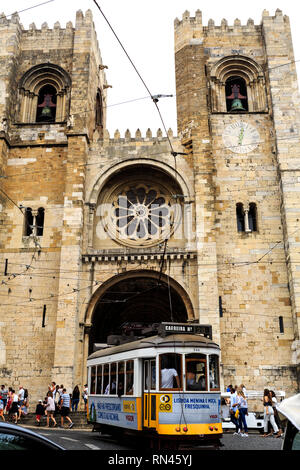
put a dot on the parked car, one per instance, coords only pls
(290, 408)
(14, 437)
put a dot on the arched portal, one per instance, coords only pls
(138, 296)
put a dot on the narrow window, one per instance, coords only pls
(44, 316)
(240, 217)
(220, 307)
(113, 379)
(121, 378)
(99, 111)
(93, 380)
(129, 377)
(281, 326)
(214, 380)
(236, 95)
(252, 217)
(106, 379)
(46, 108)
(28, 229)
(99, 380)
(40, 222)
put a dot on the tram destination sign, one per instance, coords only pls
(185, 328)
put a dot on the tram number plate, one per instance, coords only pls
(165, 405)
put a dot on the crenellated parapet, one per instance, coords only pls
(190, 30)
(11, 21)
(138, 138)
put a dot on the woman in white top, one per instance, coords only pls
(243, 409)
(14, 406)
(50, 408)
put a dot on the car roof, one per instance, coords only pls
(290, 407)
(29, 433)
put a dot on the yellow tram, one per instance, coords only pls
(166, 386)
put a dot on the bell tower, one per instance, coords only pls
(240, 128)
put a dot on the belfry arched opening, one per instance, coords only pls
(141, 299)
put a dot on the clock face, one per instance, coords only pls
(240, 137)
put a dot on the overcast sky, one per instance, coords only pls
(146, 29)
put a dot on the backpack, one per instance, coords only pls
(25, 393)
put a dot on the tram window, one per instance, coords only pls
(113, 379)
(93, 380)
(99, 380)
(196, 376)
(129, 377)
(170, 371)
(214, 381)
(153, 375)
(106, 379)
(121, 378)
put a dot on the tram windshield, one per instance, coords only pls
(196, 373)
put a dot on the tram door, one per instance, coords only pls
(149, 395)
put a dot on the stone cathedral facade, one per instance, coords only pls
(97, 231)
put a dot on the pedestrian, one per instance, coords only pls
(276, 415)
(50, 409)
(243, 388)
(14, 411)
(9, 402)
(39, 412)
(243, 412)
(232, 409)
(23, 410)
(52, 387)
(2, 409)
(229, 388)
(21, 395)
(75, 398)
(269, 415)
(85, 395)
(65, 408)
(4, 395)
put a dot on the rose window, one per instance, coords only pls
(142, 214)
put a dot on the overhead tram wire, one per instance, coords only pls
(227, 265)
(37, 246)
(26, 9)
(15, 175)
(154, 99)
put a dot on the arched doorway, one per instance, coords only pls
(137, 297)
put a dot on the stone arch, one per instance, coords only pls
(34, 80)
(110, 191)
(248, 70)
(118, 167)
(157, 291)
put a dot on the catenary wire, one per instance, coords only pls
(26, 9)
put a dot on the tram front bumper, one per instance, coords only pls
(200, 430)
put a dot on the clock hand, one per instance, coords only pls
(241, 136)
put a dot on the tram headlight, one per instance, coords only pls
(185, 429)
(216, 429)
(211, 428)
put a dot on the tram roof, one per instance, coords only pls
(177, 340)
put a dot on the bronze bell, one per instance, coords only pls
(46, 113)
(237, 105)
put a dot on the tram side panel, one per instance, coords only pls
(118, 412)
